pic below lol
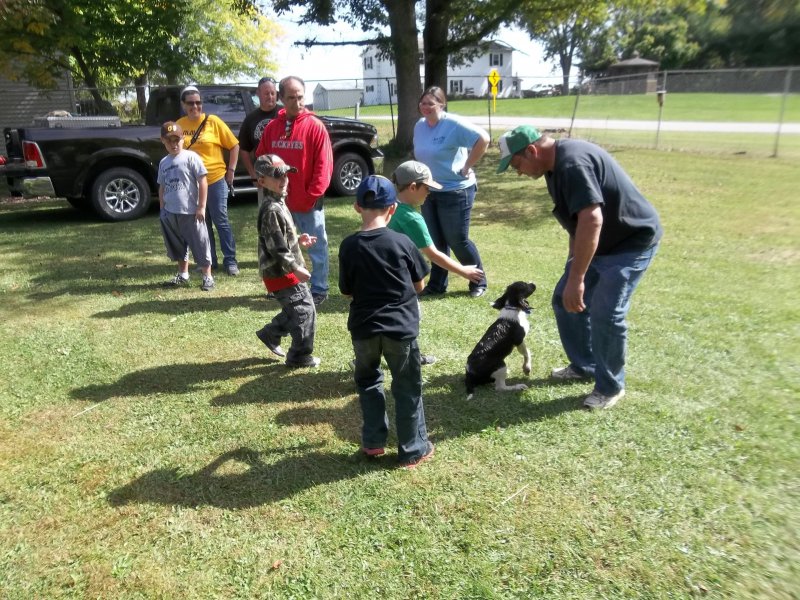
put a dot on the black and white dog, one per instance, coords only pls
(487, 361)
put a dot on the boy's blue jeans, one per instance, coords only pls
(595, 340)
(402, 356)
(217, 213)
(447, 215)
(313, 223)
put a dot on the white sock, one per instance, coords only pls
(184, 275)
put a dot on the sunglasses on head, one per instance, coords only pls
(266, 80)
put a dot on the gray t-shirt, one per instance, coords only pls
(178, 176)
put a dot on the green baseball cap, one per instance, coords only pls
(515, 140)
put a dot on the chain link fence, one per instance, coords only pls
(745, 111)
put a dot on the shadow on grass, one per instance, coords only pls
(260, 478)
(273, 382)
(209, 302)
(448, 412)
(245, 478)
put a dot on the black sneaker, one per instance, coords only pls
(273, 345)
(310, 362)
(319, 298)
(429, 292)
(426, 359)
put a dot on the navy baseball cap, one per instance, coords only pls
(376, 192)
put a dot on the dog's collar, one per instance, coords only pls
(527, 311)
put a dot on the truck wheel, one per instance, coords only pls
(348, 171)
(120, 194)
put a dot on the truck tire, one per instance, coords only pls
(349, 170)
(120, 194)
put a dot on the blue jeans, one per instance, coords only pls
(402, 356)
(217, 206)
(313, 223)
(595, 340)
(447, 215)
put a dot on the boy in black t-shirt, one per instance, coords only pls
(383, 271)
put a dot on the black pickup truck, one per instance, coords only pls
(112, 169)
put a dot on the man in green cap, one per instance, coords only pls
(613, 235)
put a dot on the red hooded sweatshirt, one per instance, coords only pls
(307, 146)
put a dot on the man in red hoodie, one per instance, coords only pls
(301, 140)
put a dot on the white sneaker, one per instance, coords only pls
(598, 400)
(567, 373)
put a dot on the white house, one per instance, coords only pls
(467, 80)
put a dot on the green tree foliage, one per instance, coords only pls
(117, 42)
(453, 31)
(371, 16)
(749, 33)
(566, 30)
(458, 30)
(676, 33)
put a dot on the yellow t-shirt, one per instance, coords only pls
(215, 136)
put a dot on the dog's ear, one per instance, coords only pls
(500, 302)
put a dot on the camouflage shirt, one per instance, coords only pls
(278, 248)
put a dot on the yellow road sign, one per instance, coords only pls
(494, 79)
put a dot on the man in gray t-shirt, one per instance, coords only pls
(613, 235)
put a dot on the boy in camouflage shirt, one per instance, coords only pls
(283, 269)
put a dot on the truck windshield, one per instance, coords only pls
(222, 103)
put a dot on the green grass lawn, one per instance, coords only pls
(150, 446)
(677, 107)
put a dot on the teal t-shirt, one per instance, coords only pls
(408, 221)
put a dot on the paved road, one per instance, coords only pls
(601, 124)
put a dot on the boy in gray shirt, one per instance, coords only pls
(182, 192)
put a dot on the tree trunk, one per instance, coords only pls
(141, 99)
(437, 24)
(102, 106)
(403, 35)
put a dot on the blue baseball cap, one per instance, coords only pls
(376, 191)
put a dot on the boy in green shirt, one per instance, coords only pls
(413, 181)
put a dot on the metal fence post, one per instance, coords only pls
(787, 82)
(391, 106)
(660, 94)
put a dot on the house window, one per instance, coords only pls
(495, 60)
(370, 88)
(456, 86)
(421, 58)
(367, 62)
(392, 89)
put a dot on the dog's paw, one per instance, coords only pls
(526, 369)
(519, 387)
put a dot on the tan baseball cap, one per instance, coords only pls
(412, 171)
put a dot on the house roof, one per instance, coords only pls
(636, 61)
(337, 87)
